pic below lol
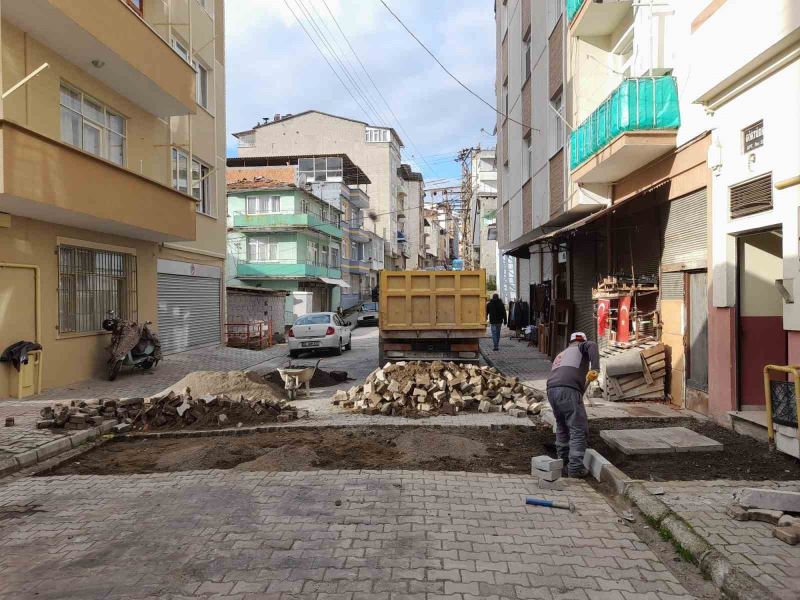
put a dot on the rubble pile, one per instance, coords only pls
(421, 388)
(169, 410)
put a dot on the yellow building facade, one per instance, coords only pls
(112, 187)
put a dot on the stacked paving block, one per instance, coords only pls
(548, 470)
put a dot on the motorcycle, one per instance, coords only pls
(132, 345)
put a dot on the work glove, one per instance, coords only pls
(591, 376)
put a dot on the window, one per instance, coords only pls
(527, 159)
(324, 256)
(505, 100)
(556, 134)
(200, 186)
(313, 319)
(202, 84)
(181, 48)
(91, 126)
(91, 283)
(374, 134)
(261, 205)
(262, 249)
(334, 257)
(321, 169)
(312, 253)
(526, 63)
(180, 170)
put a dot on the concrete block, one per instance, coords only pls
(518, 413)
(81, 437)
(107, 426)
(784, 501)
(53, 448)
(122, 428)
(8, 466)
(788, 535)
(659, 440)
(547, 475)
(765, 515)
(557, 485)
(545, 463)
(737, 513)
(788, 520)
(594, 462)
(26, 459)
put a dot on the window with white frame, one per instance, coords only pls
(375, 134)
(201, 84)
(324, 256)
(201, 187)
(262, 249)
(312, 253)
(91, 126)
(321, 169)
(556, 134)
(182, 48)
(262, 205)
(334, 257)
(526, 61)
(180, 170)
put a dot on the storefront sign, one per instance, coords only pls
(753, 136)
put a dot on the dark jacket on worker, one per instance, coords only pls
(570, 366)
(496, 311)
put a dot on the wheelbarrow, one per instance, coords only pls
(295, 376)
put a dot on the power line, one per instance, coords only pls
(446, 70)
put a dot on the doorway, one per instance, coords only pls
(761, 338)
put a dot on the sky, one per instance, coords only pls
(272, 67)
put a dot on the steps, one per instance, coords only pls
(753, 423)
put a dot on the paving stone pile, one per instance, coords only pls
(428, 388)
(168, 411)
(84, 414)
(775, 507)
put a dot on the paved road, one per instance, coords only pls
(380, 535)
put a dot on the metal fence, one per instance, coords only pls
(91, 283)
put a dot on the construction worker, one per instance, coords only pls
(496, 313)
(572, 371)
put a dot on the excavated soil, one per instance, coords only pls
(475, 449)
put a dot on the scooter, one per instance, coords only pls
(131, 345)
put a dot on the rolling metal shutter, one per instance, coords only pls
(583, 263)
(188, 312)
(685, 239)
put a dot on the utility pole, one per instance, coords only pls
(465, 157)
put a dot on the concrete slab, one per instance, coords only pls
(783, 500)
(635, 441)
(664, 440)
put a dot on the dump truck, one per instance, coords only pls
(431, 315)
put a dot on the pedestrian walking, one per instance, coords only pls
(496, 313)
(572, 371)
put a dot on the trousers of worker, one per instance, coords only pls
(572, 426)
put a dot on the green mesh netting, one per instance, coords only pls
(573, 6)
(642, 103)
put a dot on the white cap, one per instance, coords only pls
(576, 335)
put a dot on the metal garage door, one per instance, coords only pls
(188, 311)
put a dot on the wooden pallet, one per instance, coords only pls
(648, 384)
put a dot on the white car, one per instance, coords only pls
(319, 331)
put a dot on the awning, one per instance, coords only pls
(340, 282)
(519, 247)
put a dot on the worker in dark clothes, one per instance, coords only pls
(496, 313)
(572, 371)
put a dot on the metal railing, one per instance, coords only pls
(637, 104)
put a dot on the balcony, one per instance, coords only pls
(359, 198)
(138, 63)
(593, 18)
(51, 181)
(359, 235)
(636, 124)
(285, 222)
(253, 270)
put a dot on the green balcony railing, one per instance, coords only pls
(255, 269)
(636, 105)
(287, 221)
(573, 6)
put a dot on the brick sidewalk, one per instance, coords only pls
(748, 544)
(24, 436)
(378, 535)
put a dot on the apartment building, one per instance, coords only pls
(410, 218)
(484, 213)
(111, 196)
(283, 237)
(338, 181)
(374, 149)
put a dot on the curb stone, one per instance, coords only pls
(53, 448)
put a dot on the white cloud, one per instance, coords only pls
(272, 67)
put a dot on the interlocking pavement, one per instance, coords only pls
(748, 544)
(516, 359)
(385, 535)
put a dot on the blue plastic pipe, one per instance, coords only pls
(550, 503)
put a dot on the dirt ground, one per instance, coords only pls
(475, 449)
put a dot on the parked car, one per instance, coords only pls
(319, 331)
(368, 314)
